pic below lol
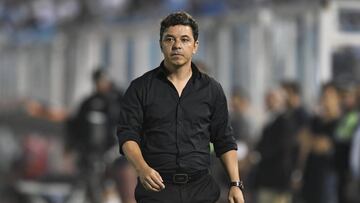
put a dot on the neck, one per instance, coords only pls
(178, 73)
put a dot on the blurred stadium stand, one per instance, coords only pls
(48, 47)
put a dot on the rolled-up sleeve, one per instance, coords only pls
(131, 116)
(221, 131)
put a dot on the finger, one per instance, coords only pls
(231, 200)
(239, 200)
(148, 186)
(153, 183)
(159, 177)
(158, 180)
(145, 184)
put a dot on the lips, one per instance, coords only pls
(176, 54)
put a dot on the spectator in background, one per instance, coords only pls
(355, 159)
(344, 134)
(92, 131)
(319, 176)
(242, 118)
(274, 169)
(94, 124)
(299, 120)
(355, 166)
(294, 105)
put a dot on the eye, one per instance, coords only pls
(185, 40)
(168, 39)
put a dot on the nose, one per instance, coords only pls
(177, 44)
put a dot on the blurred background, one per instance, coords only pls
(290, 70)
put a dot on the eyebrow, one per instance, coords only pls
(170, 35)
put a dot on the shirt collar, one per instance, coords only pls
(163, 72)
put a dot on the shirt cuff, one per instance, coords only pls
(223, 149)
(127, 136)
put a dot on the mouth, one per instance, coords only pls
(176, 54)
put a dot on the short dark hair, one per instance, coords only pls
(179, 18)
(292, 86)
(329, 85)
(98, 74)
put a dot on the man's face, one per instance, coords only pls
(103, 85)
(178, 45)
(274, 100)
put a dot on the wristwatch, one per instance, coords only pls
(238, 184)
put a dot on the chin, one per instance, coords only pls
(177, 63)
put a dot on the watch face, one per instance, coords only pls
(241, 185)
(237, 184)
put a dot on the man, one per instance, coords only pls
(91, 130)
(344, 137)
(170, 116)
(274, 147)
(96, 119)
(299, 120)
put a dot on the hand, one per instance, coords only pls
(322, 145)
(236, 195)
(151, 179)
(296, 180)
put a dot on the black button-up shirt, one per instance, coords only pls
(174, 132)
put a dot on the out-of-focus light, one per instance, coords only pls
(106, 8)
(67, 10)
(112, 7)
(44, 12)
(266, 16)
(111, 4)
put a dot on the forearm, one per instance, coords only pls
(133, 153)
(149, 178)
(230, 162)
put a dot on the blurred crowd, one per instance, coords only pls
(302, 154)
(298, 154)
(42, 14)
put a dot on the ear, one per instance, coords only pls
(196, 45)
(161, 48)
